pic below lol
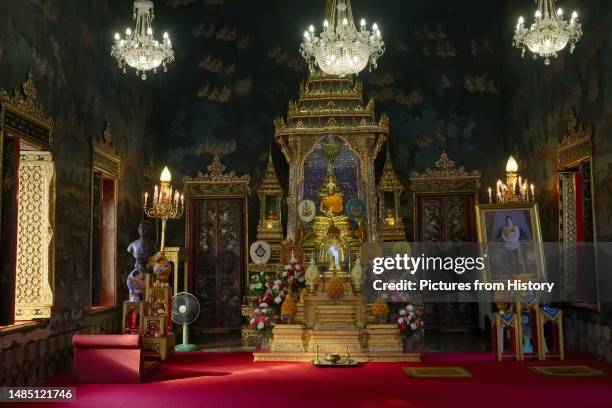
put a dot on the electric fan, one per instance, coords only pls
(185, 309)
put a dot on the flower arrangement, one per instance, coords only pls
(380, 310)
(409, 320)
(262, 318)
(275, 294)
(258, 284)
(293, 274)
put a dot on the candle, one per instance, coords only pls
(490, 199)
(533, 192)
(155, 195)
(176, 198)
(146, 196)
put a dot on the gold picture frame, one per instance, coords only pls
(489, 223)
(138, 323)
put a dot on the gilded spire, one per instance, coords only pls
(270, 184)
(389, 181)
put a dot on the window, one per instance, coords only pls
(27, 207)
(105, 176)
(104, 241)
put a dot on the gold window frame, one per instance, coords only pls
(22, 116)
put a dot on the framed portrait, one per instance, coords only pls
(133, 317)
(154, 326)
(512, 241)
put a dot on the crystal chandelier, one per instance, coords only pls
(549, 34)
(139, 49)
(341, 49)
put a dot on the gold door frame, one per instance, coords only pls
(444, 179)
(107, 161)
(216, 183)
(576, 147)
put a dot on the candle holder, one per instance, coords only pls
(165, 206)
(515, 189)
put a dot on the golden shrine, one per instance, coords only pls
(331, 140)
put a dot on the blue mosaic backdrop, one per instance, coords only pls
(346, 167)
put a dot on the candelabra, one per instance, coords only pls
(515, 189)
(165, 206)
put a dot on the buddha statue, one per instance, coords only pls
(332, 219)
(331, 203)
(271, 215)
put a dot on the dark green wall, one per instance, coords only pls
(67, 45)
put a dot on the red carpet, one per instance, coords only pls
(233, 380)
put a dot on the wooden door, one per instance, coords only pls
(217, 251)
(447, 218)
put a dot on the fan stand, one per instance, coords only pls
(185, 347)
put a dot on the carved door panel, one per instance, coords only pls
(447, 218)
(218, 251)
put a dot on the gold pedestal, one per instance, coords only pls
(164, 345)
(319, 231)
(384, 337)
(273, 236)
(392, 233)
(332, 326)
(287, 338)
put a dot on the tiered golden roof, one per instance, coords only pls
(389, 181)
(327, 101)
(270, 184)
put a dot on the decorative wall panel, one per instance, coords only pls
(34, 276)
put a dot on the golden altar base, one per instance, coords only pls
(332, 327)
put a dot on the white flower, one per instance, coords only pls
(402, 311)
(260, 325)
(252, 321)
(413, 326)
(401, 320)
(278, 300)
(263, 305)
(410, 308)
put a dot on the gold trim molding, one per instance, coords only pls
(576, 144)
(105, 157)
(445, 177)
(217, 180)
(23, 114)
